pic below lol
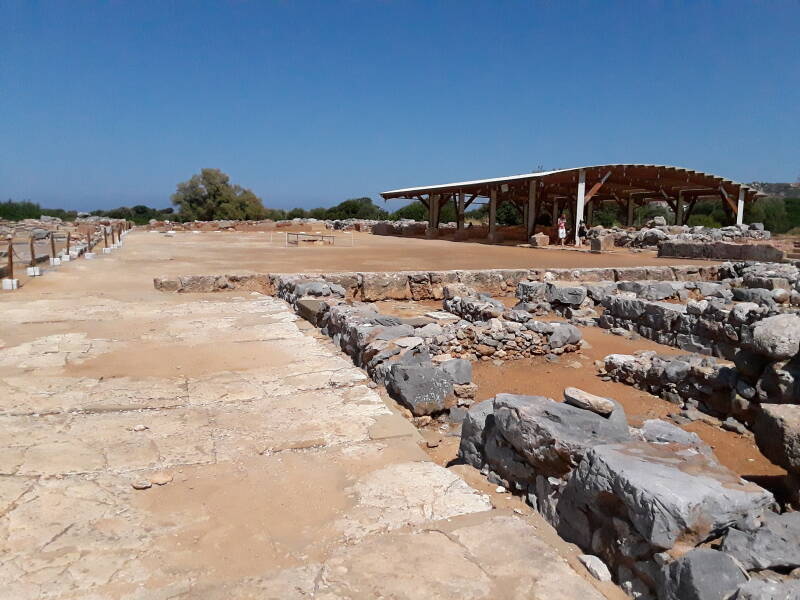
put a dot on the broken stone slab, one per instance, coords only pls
(459, 369)
(563, 334)
(777, 433)
(423, 389)
(478, 420)
(764, 589)
(670, 493)
(528, 291)
(571, 295)
(774, 545)
(603, 243)
(780, 382)
(657, 431)
(385, 286)
(595, 566)
(311, 309)
(701, 574)
(553, 436)
(585, 400)
(777, 337)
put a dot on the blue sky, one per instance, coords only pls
(308, 103)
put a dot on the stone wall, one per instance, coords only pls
(644, 500)
(720, 251)
(428, 285)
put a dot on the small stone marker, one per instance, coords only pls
(585, 400)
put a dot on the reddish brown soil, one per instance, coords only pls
(537, 376)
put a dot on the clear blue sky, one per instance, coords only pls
(308, 103)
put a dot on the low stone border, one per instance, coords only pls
(721, 251)
(429, 285)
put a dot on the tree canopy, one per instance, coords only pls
(209, 196)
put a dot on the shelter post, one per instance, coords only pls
(580, 202)
(679, 209)
(630, 211)
(493, 236)
(530, 213)
(433, 216)
(740, 208)
(461, 233)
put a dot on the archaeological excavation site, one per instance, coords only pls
(339, 409)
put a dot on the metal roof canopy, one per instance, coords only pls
(661, 180)
(626, 184)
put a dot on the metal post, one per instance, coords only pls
(580, 201)
(740, 208)
(10, 273)
(52, 245)
(105, 236)
(33, 252)
(679, 209)
(69, 236)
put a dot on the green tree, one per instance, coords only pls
(357, 208)
(209, 196)
(297, 213)
(416, 211)
(508, 214)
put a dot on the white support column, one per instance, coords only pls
(579, 208)
(740, 208)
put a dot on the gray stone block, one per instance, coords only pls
(553, 436)
(667, 492)
(702, 574)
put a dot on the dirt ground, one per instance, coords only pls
(265, 252)
(159, 446)
(540, 377)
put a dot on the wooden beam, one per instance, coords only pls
(596, 188)
(728, 199)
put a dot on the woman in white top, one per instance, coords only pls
(562, 228)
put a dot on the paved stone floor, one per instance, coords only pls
(267, 467)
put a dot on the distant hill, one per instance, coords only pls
(778, 190)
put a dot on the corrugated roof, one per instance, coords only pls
(544, 174)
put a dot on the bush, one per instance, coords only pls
(508, 214)
(607, 215)
(703, 221)
(297, 213)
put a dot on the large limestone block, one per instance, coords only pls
(774, 545)
(702, 574)
(478, 420)
(385, 286)
(553, 436)
(777, 433)
(669, 492)
(777, 337)
(424, 389)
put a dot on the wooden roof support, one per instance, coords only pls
(596, 188)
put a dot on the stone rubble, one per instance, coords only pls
(642, 502)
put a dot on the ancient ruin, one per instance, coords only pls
(470, 414)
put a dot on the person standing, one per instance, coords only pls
(582, 233)
(562, 229)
